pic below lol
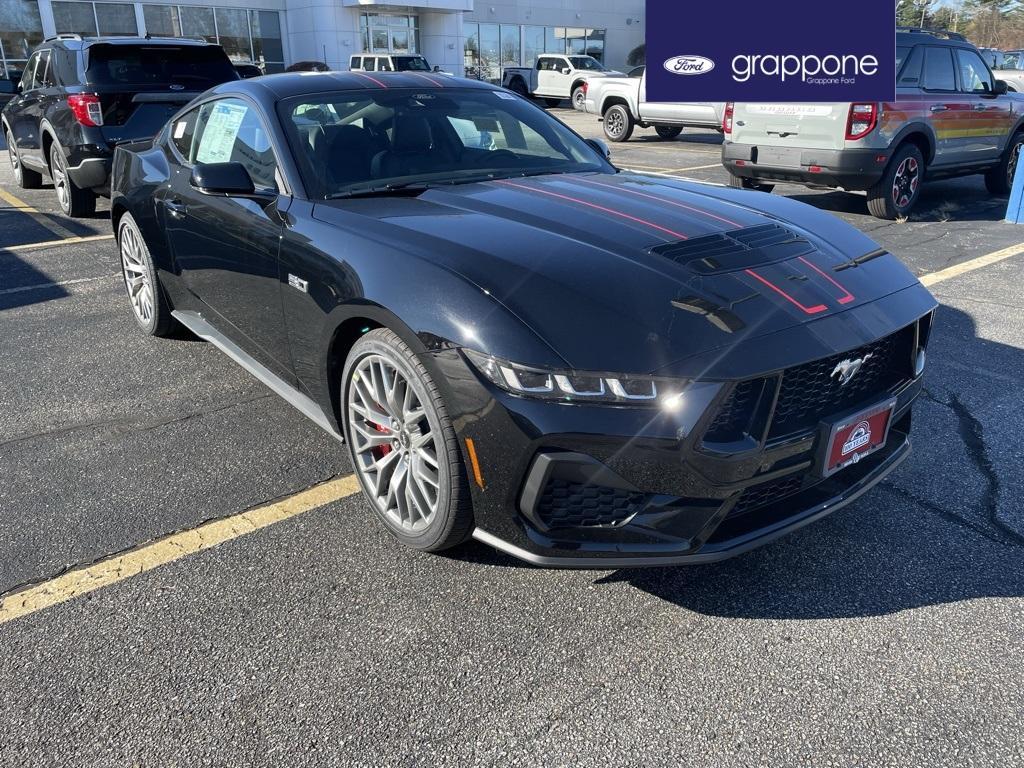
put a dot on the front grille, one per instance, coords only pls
(733, 417)
(810, 393)
(565, 504)
(757, 496)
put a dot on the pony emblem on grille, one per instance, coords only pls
(847, 369)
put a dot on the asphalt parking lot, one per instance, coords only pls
(887, 634)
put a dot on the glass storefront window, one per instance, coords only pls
(116, 19)
(554, 40)
(233, 33)
(267, 47)
(389, 32)
(471, 50)
(510, 45)
(74, 18)
(379, 41)
(161, 20)
(197, 22)
(595, 43)
(20, 31)
(533, 45)
(576, 41)
(490, 53)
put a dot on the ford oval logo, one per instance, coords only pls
(689, 65)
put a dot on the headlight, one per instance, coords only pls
(577, 386)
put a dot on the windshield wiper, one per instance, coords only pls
(409, 188)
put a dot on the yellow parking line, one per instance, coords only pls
(55, 243)
(41, 218)
(174, 547)
(969, 266)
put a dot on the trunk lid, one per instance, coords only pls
(808, 126)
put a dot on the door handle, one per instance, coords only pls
(980, 108)
(176, 208)
(939, 108)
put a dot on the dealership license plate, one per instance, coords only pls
(784, 157)
(857, 436)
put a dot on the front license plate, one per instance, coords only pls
(854, 437)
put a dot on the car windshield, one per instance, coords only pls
(1011, 61)
(352, 142)
(410, 64)
(586, 62)
(194, 66)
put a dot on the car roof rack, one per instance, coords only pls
(944, 34)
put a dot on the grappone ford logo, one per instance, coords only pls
(689, 65)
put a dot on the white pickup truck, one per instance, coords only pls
(622, 104)
(555, 77)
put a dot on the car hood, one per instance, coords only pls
(631, 273)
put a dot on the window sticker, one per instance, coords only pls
(218, 139)
(179, 128)
(503, 95)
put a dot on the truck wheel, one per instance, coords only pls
(741, 183)
(618, 123)
(518, 86)
(894, 196)
(579, 98)
(667, 132)
(999, 178)
(552, 103)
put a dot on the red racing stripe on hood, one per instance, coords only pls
(428, 79)
(612, 211)
(807, 310)
(374, 79)
(677, 204)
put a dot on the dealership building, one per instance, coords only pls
(475, 38)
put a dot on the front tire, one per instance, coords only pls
(74, 201)
(618, 123)
(26, 178)
(579, 98)
(667, 132)
(895, 195)
(403, 445)
(150, 307)
(999, 179)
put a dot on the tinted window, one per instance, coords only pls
(911, 74)
(355, 62)
(28, 76)
(195, 67)
(901, 55)
(411, 64)
(182, 131)
(231, 131)
(974, 75)
(357, 139)
(384, 64)
(369, 64)
(637, 72)
(938, 69)
(44, 72)
(586, 62)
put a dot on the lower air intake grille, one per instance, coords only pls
(734, 416)
(565, 504)
(757, 496)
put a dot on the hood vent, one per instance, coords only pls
(735, 250)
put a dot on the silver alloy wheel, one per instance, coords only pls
(394, 446)
(614, 123)
(136, 275)
(13, 155)
(1011, 165)
(579, 98)
(60, 178)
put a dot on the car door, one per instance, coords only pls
(991, 115)
(950, 112)
(227, 246)
(551, 79)
(23, 115)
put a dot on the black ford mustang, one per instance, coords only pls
(579, 366)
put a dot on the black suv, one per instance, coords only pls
(78, 98)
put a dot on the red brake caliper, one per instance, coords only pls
(381, 451)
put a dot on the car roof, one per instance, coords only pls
(926, 37)
(288, 84)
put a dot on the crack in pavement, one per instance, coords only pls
(121, 425)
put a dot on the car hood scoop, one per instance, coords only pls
(739, 249)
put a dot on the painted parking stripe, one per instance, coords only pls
(81, 581)
(40, 218)
(55, 243)
(972, 264)
(61, 284)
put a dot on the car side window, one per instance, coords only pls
(939, 74)
(355, 62)
(44, 71)
(370, 64)
(911, 74)
(28, 77)
(182, 132)
(385, 65)
(974, 75)
(232, 131)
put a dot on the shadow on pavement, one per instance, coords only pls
(22, 284)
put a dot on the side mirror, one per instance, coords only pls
(999, 87)
(566, 70)
(6, 86)
(601, 148)
(437, 67)
(223, 179)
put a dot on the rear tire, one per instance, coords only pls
(73, 200)
(25, 177)
(618, 123)
(896, 193)
(403, 445)
(150, 307)
(999, 179)
(667, 132)
(738, 182)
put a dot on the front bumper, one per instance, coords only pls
(582, 486)
(852, 169)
